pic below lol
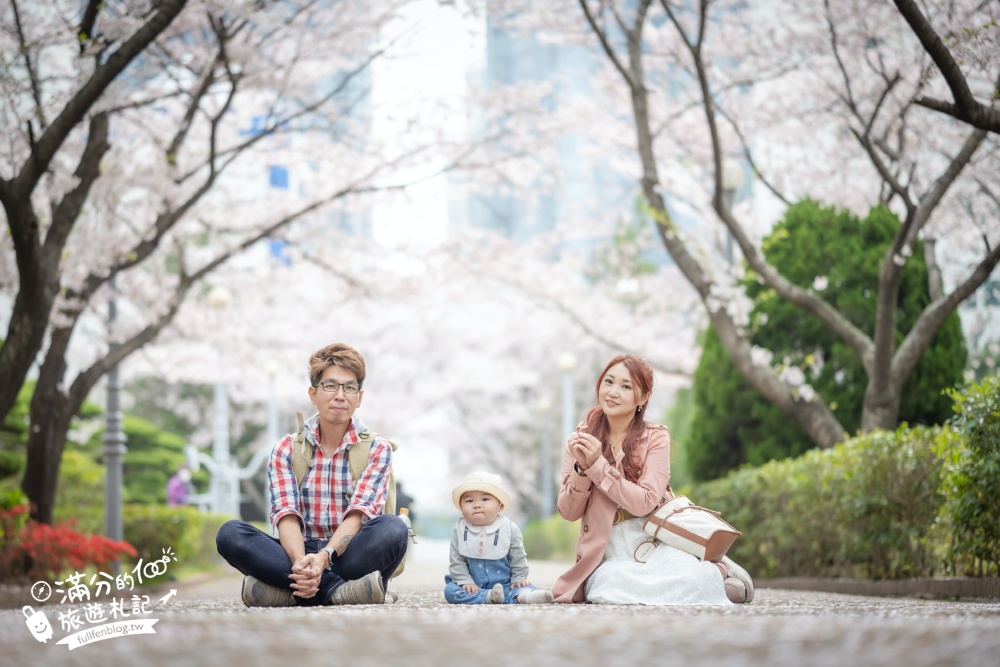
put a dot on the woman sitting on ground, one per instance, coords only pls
(615, 472)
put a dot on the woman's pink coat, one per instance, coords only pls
(594, 497)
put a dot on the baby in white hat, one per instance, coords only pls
(488, 562)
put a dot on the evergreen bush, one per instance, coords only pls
(973, 477)
(837, 254)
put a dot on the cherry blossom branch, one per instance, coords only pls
(864, 138)
(43, 151)
(608, 49)
(966, 107)
(814, 416)
(808, 300)
(275, 124)
(933, 316)
(87, 22)
(192, 108)
(931, 198)
(36, 92)
(748, 154)
(65, 213)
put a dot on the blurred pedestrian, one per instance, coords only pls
(178, 485)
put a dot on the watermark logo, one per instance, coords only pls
(38, 623)
(103, 608)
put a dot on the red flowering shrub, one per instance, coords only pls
(38, 551)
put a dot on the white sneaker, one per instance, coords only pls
(495, 596)
(738, 583)
(736, 590)
(534, 597)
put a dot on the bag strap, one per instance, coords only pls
(668, 495)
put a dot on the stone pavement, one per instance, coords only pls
(206, 624)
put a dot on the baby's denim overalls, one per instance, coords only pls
(500, 543)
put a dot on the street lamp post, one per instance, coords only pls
(114, 446)
(271, 368)
(225, 497)
(544, 411)
(628, 288)
(567, 363)
(224, 492)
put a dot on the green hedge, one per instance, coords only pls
(80, 493)
(973, 478)
(551, 539)
(149, 528)
(915, 502)
(866, 508)
(185, 531)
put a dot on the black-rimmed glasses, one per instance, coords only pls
(332, 387)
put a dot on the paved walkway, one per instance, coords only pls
(206, 624)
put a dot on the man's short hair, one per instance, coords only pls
(337, 354)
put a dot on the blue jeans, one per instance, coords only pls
(379, 545)
(486, 574)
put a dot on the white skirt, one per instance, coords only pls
(669, 576)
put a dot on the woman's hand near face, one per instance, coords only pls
(574, 449)
(584, 448)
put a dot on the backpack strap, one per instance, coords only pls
(358, 456)
(358, 459)
(302, 459)
(302, 451)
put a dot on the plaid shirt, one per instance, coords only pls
(328, 491)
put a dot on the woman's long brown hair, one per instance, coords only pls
(597, 421)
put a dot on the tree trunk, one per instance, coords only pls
(886, 367)
(813, 417)
(51, 414)
(32, 306)
(880, 409)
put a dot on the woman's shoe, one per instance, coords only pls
(739, 585)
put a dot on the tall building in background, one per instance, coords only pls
(579, 186)
(441, 58)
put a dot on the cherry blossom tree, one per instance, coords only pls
(34, 93)
(817, 100)
(149, 175)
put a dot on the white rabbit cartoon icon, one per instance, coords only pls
(38, 623)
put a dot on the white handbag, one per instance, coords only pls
(699, 531)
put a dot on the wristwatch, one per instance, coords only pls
(332, 552)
